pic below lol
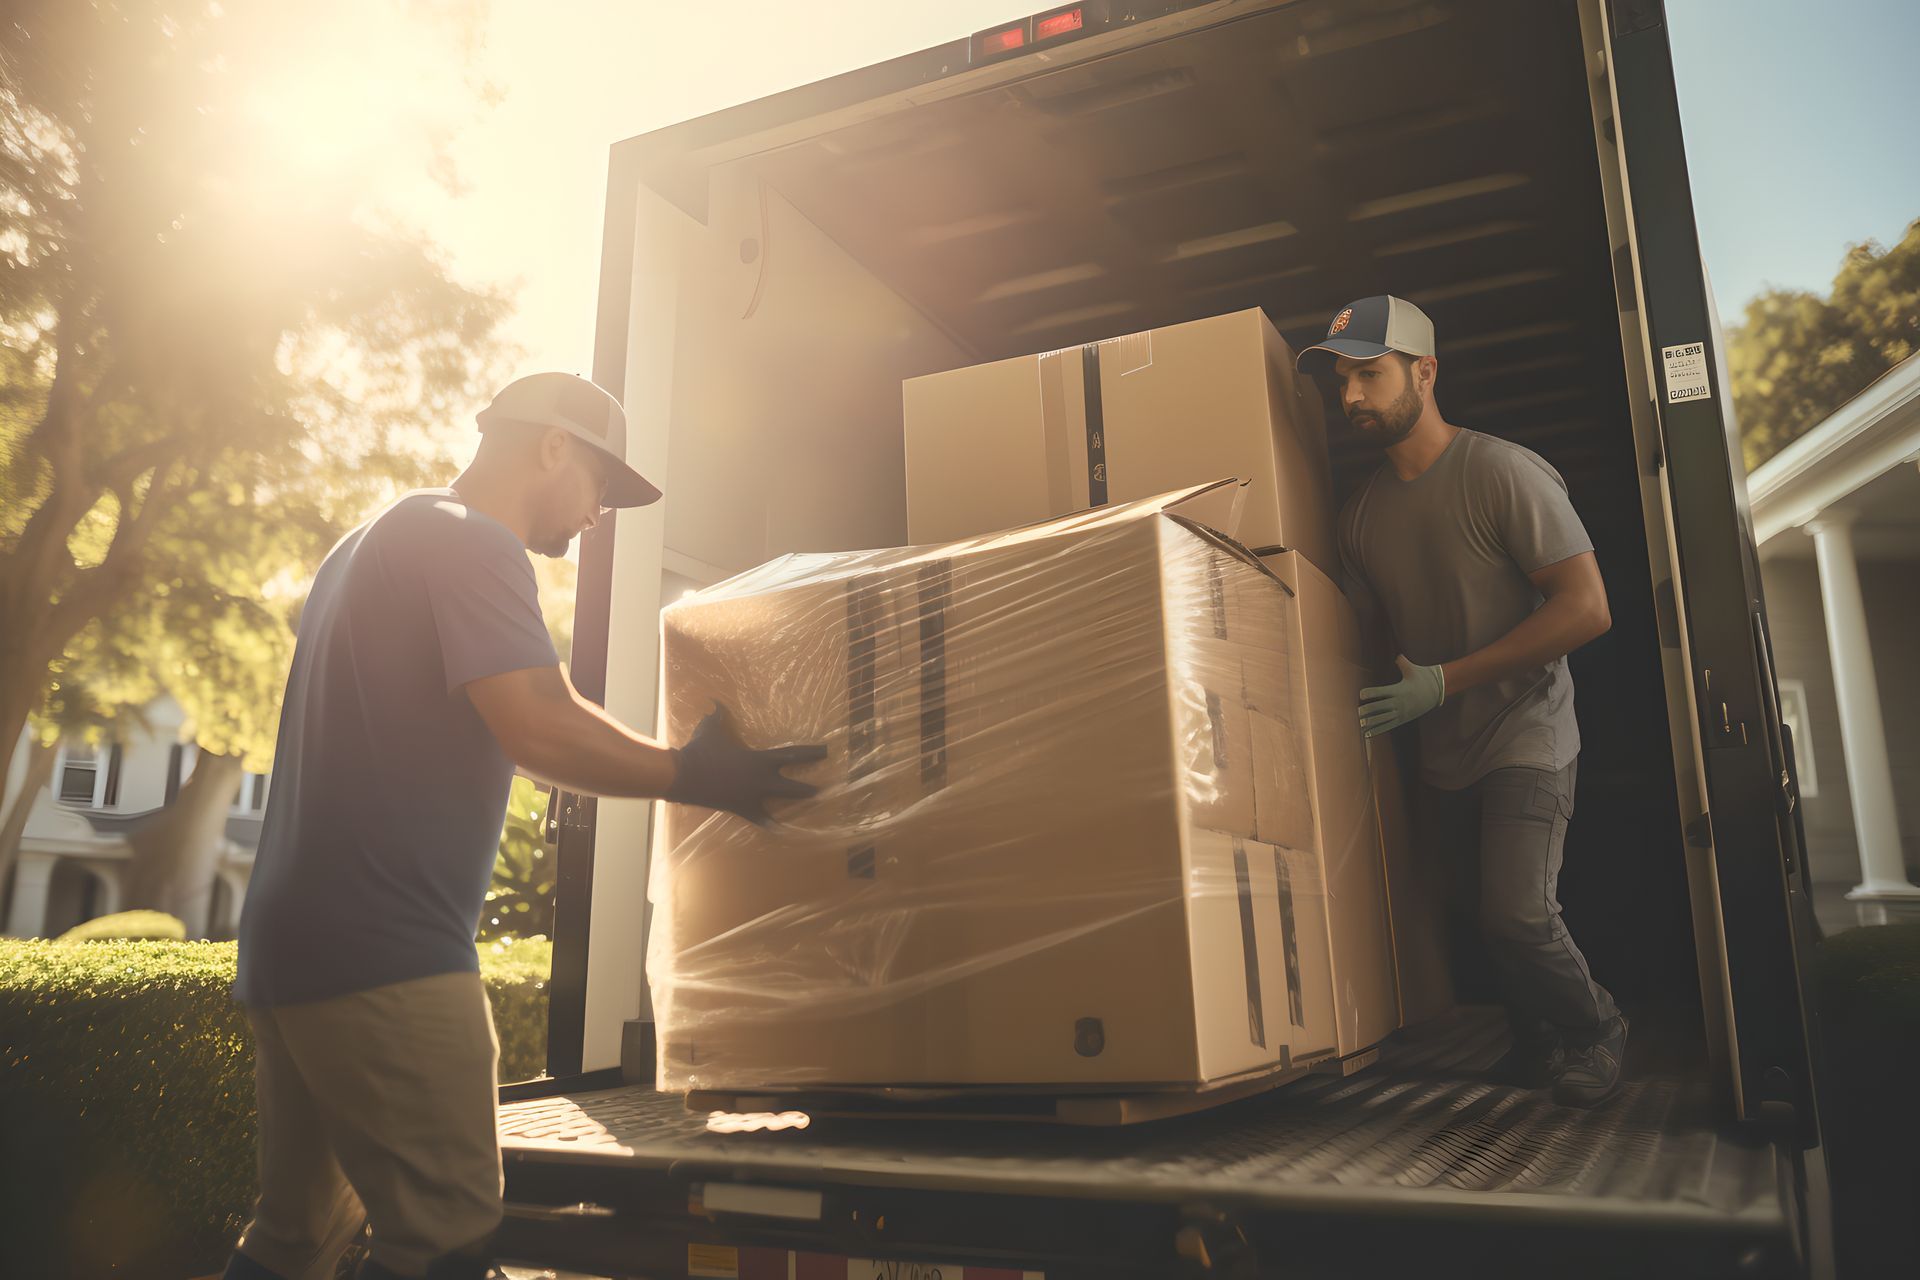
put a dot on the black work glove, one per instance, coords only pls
(718, 771)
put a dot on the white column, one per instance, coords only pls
(111, 889)
(235, 878)
(32, 880)
(1863, 732)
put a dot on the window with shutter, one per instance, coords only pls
(79, 773)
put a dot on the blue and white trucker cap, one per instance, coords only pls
(1367, 330)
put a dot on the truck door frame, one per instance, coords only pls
(1747, 827)
(1749, 824)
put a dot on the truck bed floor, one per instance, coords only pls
(1421, 1131)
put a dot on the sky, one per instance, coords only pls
(1800, 123)
(578, 77)
(1796, 128)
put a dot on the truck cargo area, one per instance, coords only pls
(775, 271)
(1418, 1154)
(794, 260)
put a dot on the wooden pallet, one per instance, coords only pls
(996, 1104)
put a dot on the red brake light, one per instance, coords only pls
(1067, 23)
(1059, 24)
(1006, 40)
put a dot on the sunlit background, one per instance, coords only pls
(1793, 133)
(262, 260)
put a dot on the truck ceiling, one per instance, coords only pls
(1291, 156)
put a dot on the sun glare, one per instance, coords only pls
(756, 1121)
(355, 101)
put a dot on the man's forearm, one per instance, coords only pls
(1558, 627)
(587, 751)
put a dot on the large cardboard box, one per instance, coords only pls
(1346, 822)
(999, 445)
(1416, 898)
(1046, 875)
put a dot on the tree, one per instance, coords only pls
(520, 898)
(558, 581)
(1797, 357)
(216, 353)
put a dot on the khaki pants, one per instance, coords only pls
(376, 1106)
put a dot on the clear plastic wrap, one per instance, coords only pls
(1070, 830)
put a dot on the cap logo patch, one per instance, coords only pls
(1340, 322)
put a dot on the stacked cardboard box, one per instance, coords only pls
(1054, 844)
(1416, 898)
(1096, 810)
(1347, 832)
(998, 445)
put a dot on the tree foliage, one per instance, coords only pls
(1796, 357)
(520, 899)
(217, 354)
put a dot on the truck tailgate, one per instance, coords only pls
(1421, 1140)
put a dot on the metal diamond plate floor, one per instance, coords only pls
(1423, 1126)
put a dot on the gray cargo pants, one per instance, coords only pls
(1502, 840)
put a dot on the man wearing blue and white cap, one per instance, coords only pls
(423, 676)
(1468, 549)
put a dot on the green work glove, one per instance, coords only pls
(1387, 707)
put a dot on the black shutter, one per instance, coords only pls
(174, 758)
(113, 777)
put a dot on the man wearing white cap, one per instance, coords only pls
(422, 677)
(1467, 547)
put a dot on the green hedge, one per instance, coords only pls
(1867, 996)
(126, 1100)
(123, 926)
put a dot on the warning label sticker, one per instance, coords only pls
(1686, 372)
(713, 1261)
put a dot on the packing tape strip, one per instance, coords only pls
(936, 590)
(1249, 947)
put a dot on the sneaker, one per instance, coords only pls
(1591, 1073)
(1534, 1060)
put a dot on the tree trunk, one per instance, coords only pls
(39, 770)
(176, 855)
(15, 706)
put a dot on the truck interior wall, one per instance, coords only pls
(786, 413)
(770, 430)
(1312, 153)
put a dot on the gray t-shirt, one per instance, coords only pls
(388, 790)
(1445, 557)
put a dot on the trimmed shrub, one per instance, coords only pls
(126, 1100)
(1867, 992)
(516, 973)
(151, 926)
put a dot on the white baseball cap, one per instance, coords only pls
(579, 408)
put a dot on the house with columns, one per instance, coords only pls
(1836, 515)
(74, 849)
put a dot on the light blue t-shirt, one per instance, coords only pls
(389, 791)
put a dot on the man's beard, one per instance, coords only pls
(1390, 425)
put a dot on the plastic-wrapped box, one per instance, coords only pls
(1037, 856)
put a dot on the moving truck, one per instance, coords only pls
(774, 272)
